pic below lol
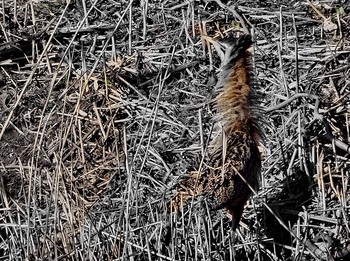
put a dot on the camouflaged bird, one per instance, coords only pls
(234, 160)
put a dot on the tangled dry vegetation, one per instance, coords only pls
(105, 105)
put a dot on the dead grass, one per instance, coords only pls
(105, 105)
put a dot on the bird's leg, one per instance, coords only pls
(236, 212)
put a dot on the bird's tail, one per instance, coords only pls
(188, 187)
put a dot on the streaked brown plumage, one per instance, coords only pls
(235, 154)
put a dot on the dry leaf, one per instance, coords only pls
(329, 26)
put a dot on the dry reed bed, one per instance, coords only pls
(98, 124)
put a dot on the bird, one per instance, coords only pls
(233, 169)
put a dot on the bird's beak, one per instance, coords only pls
(216, 44)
